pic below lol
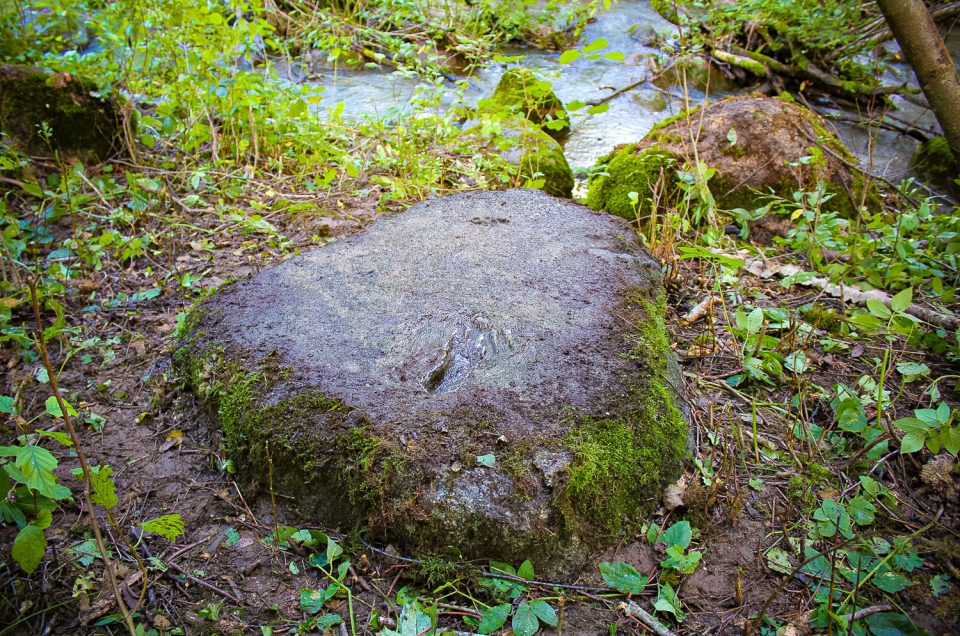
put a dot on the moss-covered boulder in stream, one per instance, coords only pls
(756, 145)
(78, 121)
(529, 121)
(539, 158)
(489, 371)
(520, 91)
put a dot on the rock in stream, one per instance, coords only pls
(488, 371)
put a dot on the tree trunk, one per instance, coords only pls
(913, 26)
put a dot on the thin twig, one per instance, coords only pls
(633, 610)
(81, 457)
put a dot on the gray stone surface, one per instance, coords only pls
(482, 323)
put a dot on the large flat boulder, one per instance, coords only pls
(488, 371)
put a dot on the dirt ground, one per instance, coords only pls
(166, 461)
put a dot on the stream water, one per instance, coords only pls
(632, 114)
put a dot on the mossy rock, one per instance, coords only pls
(79, 123)
(538, 155)
(520, 91)
(757, 145)
(651, 173)
(489, 371)
(934, 162)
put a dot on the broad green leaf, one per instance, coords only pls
(7, 405)
(333, 550)
(44, 519)
(950, 436)
(667, 601)
(861, 511)
(525, 571)
(778, 560)
(60, 436)
(911, 443)
(754, 321)
(596, 45)
(36, 465)
(912, 425)
(680, 560)
(498, 567)
(544, 612)
(413, 622)
(493, 618)
(623, 577)
(943, 413)
(86, 552)
(679, 534)
(902, 300)
(599, 108)
(305, 537)
(908, 561)
(912, 371)
(797, 362)
(53, 407)
(878, 309)
(525, 622)
(870, 485)
(104, 491)
(616, 56)
(569, 56)
(850, 415)
(893, 624)
(168, 526)
(940, 584)
(311, 601)
(28, 548)
(325, 622)
(487, 460)
(891, 582)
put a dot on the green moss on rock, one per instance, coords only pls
(538, 157)
(621, 464)
(757, 146)
(32, 99)
(520, 91)
(649, 172)
(306, 445)
(543, 158)
(564, 480)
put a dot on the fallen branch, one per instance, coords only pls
(633, 610)
(763, 66)
(617, 93)
(766, 269)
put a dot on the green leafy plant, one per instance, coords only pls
(933, 428)
(528, 613)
